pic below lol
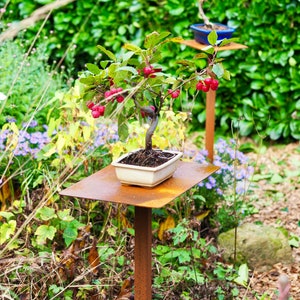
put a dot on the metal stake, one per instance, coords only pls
(142, 253)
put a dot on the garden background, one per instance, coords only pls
(47, 141)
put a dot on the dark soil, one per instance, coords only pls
(147, 158)
(214, 27)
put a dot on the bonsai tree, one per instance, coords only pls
(133, 84)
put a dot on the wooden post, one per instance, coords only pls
(210, 123)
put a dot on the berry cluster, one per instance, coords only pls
(99, 110)
(207, 84)
(174, 94)
(96, 109)
(113, 91)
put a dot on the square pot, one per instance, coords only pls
(146, 176)
(200, 33)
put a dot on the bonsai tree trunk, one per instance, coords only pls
(203, 16)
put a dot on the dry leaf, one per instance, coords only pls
(164, 226)
(126, 290)
(125, 222)
(202, 215)
(5, 195)
(93, 258)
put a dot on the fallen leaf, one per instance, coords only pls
(169, 223)
(93, 258)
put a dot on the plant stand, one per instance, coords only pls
(211, 98)
(104, 186)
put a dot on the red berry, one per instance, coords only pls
(96, 114)
(199, 86)
(107, 94)
(205, 88)
(175, 94)
(208, 81)
(90, 104)
(214, 84)
(148, 71)
(120, 98)
(113, 91)
(99, 108)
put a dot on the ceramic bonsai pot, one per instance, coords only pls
(201, 32)
(146, 176)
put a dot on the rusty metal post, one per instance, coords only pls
(142, 254)
(210, 123)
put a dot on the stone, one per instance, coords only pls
(259, 246)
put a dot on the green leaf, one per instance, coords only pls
(70, 234)
(209, 49)
(45, 232)
(7, 215)
(122, 128)
(212, 37)
(218, 70)
(276, 178)
(201, 55)
(154, 38)
(46, 213)
(133, 48)
(245, 127)
(6, 230)
(243, 275)
(87, 80)
(107, 52)
(64, 215)
(129, 69)
(276, 131)
(93, 68)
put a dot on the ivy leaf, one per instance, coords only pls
(64, 215)
(212, 37)
(6, 230)
(45, 232)
(7, 215)
(46, 213)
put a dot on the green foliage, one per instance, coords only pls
(180, 263)
(263, 94)
(27, 82)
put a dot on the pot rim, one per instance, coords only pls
(195, 27)
(116, 163)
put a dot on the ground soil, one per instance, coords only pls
(279, 206)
